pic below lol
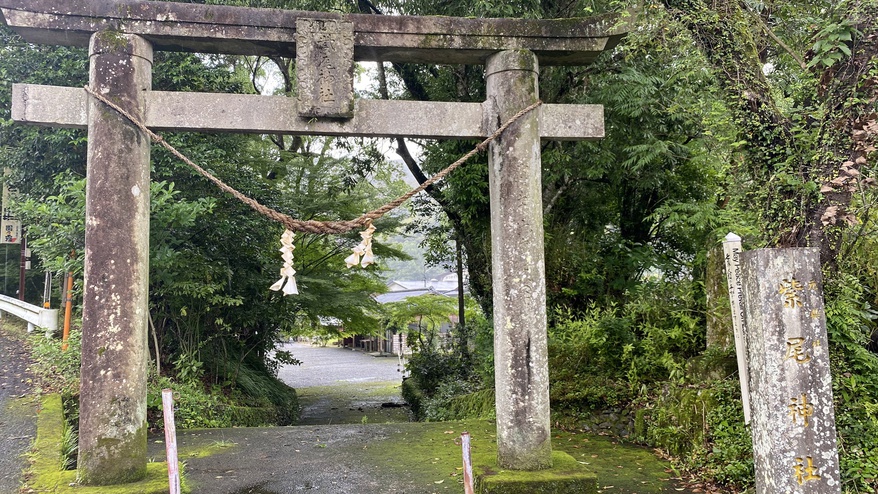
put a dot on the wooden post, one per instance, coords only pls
(732, 254)
(468, 487)
(521, 372)
(794, 441)
(47, 290)
(112, 422)
(171, 441)
(22, 266)
(68, 309)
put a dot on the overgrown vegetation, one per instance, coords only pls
(769, 130)
(256, 399)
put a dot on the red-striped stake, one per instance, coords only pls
(467, 465)
(171, 440)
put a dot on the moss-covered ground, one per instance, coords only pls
(621, 468)
(46, 475)
(352, 403)
(431, 451)
(424, 457)
(413, 458)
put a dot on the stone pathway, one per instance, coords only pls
(17, 411)
(402, 458)
(342, 386)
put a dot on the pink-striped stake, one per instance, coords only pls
(171, 440)
(468, 487)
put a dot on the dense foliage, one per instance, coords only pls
(757, 118)
(212, 320)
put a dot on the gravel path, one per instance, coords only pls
(330, 365)
(342, 386)
(17, 417)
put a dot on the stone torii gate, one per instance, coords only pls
(122, 34)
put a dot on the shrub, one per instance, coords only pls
(431, 367)
(457, 400)
(850, 321)
(58, 369)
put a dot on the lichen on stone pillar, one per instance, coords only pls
(518, 268)
(112, 423)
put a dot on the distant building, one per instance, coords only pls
(445, 285)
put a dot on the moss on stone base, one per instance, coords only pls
(566, 476)
(45, 474)
(128, 463)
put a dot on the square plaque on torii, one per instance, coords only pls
(325, 67)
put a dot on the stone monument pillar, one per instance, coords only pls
(521, 370)
(112, 441)
(794, 441)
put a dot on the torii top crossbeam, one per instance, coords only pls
(345, 38)
(250, 31)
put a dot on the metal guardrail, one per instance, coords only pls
(34, 315)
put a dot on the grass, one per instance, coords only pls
(431, 452)
(351, 403)
(45, 474)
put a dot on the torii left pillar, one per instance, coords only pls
(112, 421)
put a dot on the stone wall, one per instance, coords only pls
(613, 421)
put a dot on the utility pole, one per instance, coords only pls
(22, 267)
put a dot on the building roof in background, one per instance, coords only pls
(442, 283)
(445, 285)
(396, 296)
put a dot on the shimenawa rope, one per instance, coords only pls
(313, 226)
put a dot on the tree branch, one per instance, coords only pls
(777, 40)
(402, 149)
(562, 189)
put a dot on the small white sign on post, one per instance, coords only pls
(732, 254)
(10, 227)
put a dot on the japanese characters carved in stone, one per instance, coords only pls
(325, 67)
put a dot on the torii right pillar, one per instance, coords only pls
(521, 368)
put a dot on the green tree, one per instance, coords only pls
(642, 199)
(796, 78)
(212, 258)
(426, 312)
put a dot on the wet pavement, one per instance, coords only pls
(402, 458)
(345, 444)
(17, 411)
(342, 386)
(362, 456)
(330, 365)
(334, 459)
(350, 402)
